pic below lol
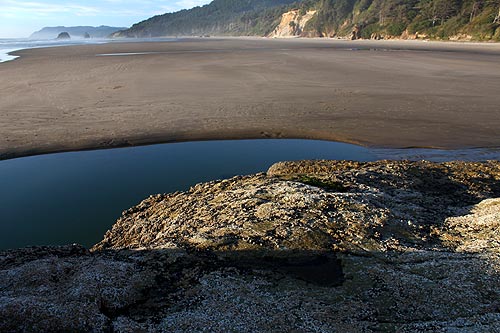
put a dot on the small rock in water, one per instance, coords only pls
(64, 35)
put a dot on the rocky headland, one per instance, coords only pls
(78, 32)
(310, 246)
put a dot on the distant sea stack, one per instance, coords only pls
(76, 32)
(86, 35)
(63, 35)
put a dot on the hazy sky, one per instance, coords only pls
(19, 18)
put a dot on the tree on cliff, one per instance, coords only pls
(438, 11)
(331, 13)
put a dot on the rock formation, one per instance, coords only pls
(355, 34)
(78, 31)
(63, 35)
(293, 23)
(86, 35)
(311, 246)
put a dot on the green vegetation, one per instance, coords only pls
(220, 17)
(437, 19)
(325, 184)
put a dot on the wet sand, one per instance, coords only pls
(375, 93)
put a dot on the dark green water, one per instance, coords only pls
(75, 197)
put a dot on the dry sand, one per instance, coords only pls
(394, 94)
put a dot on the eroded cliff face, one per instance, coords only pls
(311, 246)
(293, 23)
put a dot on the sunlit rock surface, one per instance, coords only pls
(312, 246)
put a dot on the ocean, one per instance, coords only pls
(8, 45)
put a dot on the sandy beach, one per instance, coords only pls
(375, 93)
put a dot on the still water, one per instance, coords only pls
(75, 197)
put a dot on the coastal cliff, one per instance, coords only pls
(293, 23)
(310, 246)
(353, 19)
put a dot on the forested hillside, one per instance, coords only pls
(435, 19)
(221, 17)
(439, 19)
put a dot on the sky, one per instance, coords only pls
(19, 18)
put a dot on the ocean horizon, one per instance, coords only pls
(8, 45)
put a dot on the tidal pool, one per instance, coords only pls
(75, 197)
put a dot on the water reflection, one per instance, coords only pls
(76, 197)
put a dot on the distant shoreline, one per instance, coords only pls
(8, 46)
(373, 93)
(11, 52)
